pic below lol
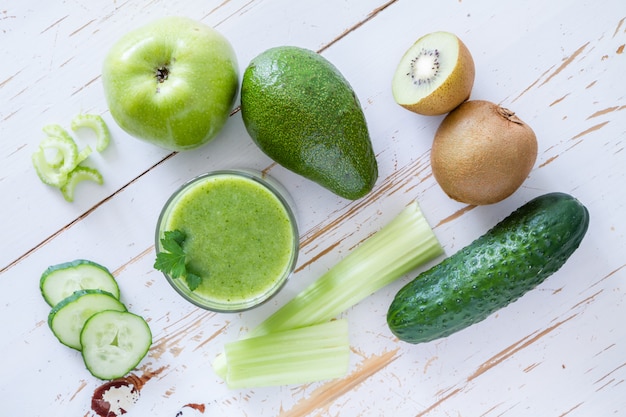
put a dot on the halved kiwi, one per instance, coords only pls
(435, 75)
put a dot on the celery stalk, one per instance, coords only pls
(298, 356)
(395, 250)
(399, 247)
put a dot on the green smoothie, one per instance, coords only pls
(241, 238)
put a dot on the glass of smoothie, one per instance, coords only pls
(240, 238)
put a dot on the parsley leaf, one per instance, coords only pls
(193, 280)
(173, 260)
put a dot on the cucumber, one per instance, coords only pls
(62, 280)
(114, 342)
(66, 319)
(512, 258)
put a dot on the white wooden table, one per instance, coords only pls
(560, 350)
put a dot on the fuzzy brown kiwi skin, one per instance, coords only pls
(482, 153)
(454, 91)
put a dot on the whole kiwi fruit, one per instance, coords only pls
(482, 153)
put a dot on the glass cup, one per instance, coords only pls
(240, 238)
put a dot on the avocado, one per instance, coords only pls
(301, 112)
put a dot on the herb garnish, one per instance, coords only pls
(173, 260)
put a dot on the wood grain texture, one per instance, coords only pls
(558, 351)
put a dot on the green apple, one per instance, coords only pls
(172, 82)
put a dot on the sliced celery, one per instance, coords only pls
(56, 130)
(299, 356)
(48, 173)
(78, 174)
(64, 158)
(399, 247)
(95, 123)
(57, 160)
(83, 154)
(53, 156)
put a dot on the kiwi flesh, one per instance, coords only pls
(482, 153)
(435, 74)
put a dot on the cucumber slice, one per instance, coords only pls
(66, 319)
(60, 281)
(114, 343)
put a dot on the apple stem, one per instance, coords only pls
(162, 74)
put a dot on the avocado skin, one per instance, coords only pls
(301, 112)
(496, 269)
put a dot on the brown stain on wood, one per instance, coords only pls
(19, 93)
(429, 362)
(604, 380)
(589, 130)
(514, 348)
(240, 11)
(93, 80)
(619, 25)
(82, 27)
(439, 402)
(494, 407)
(558, 290)
(547, 161)
(605, 111)
(558, 100)
(609, 275)
(81, 386)
(369, 17)
(7, 80)
(609, 347)
(170, 342)
(455, 215)
(328, 249)
(117, 273)
(56, 23)
(531, 367)
(571, 410)
(565, 63)
(13, 113)
(212, 336)
(532, 85)
(215, 8)
(327, 394)
(587, 300)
